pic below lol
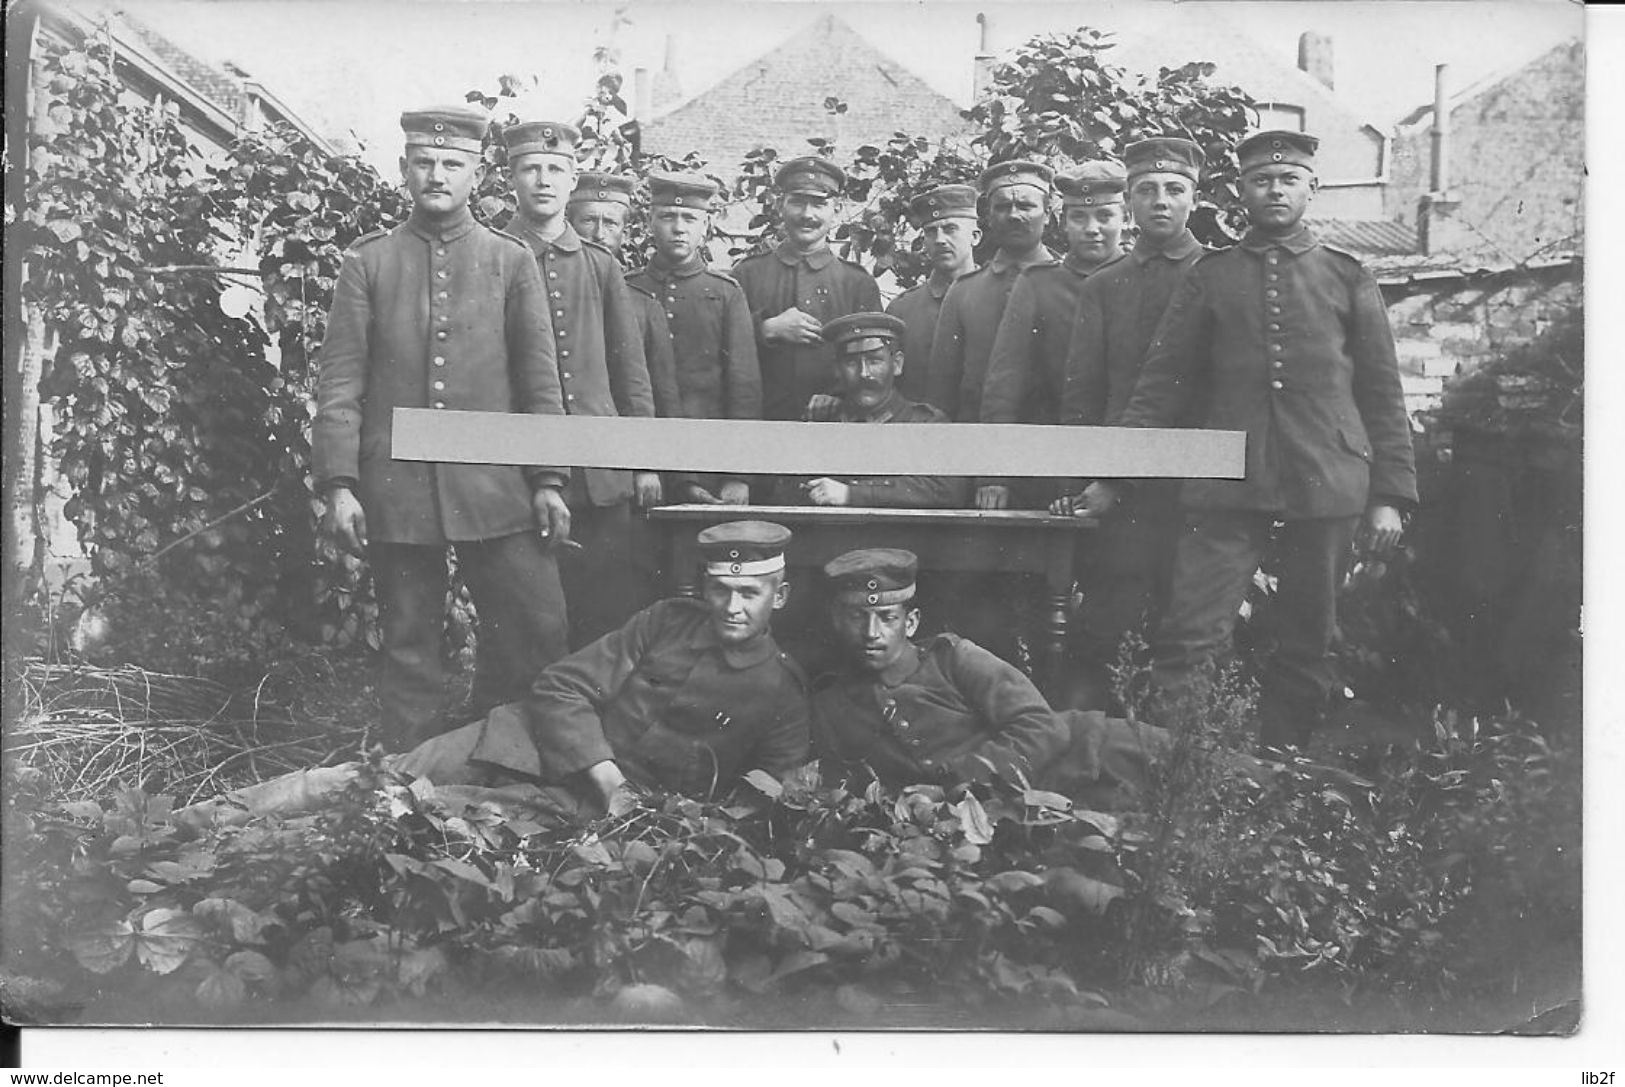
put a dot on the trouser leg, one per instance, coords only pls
(514, 581)
(1214, 562)
(1313, 557)
(598, 577)
(410, 583)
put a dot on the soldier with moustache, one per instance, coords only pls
(1026, 369)
(1125, 581)
(601, 369)
(1287, 339)
(445, 314)
(949, 234)
(598, 210)
(1018, 195)
(799, 286)
(714, 342)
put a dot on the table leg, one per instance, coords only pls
(1057, 616)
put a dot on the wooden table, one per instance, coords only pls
(980, 541)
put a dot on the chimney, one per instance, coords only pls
(1315, 56)
(982, 79)
(1438, 225)
(642, 96)
(669, 67)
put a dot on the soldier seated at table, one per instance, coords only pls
(868, 361)
(947, 710)
(688, 695)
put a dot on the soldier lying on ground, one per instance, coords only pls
(950, 711)
(688, 695)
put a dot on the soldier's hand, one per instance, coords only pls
(993, 496)
(646, 486)
(824, 491)
(821, 408)
(1098, 499)
(552, 516)
(1067, 505)
(346, 522)
(792, 326)
(606, 779)
(735, 492)
(697, 493)
(1382, 529)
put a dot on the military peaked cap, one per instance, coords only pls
(1101, 181)
(1016, 172)
(1277, 147)
(611, 188)
(943, 202)
(873, 577)
(859, 332)
(1165, 155)
(540, 137)
(743, 548)
(810, 175)
(681, 191)
(458, 128)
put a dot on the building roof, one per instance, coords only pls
(1571, 51)
(1190, 32)
(778, 100)
(1367, 237)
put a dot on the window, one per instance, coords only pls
(1280, 115)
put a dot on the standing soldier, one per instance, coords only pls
(1027, 367)
(946, 217)
(1117, 313)
(601, 369)
(442, 313)
(1287, 339)
(714, 346)
(1018, 195)
(799, 286)
(598, 210)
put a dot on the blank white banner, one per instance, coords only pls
(789, 448)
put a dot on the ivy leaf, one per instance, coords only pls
(66, 230)
(1069, 887)
(103, 950)
(246, 925)
(1013, 881)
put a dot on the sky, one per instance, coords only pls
(352, 65)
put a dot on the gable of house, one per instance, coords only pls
(778, 101)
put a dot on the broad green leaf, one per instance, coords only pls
(66, 230)
(797, 961)
(594, 853)
(250, 966)
(167, 937)
(1107, 824)
(765, 783)
(143, 886)
(639, 857)
(221, 989)
(1046, 916)
(1069, 887)
(104, 949)
(246, 925)
(462, 870)
(1014, 880)
(972, 817)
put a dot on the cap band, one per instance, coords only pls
(875, 598)
(748, 568)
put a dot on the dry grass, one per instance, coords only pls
(92, 729)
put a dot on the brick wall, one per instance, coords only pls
(1451, 328)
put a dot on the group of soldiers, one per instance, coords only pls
(582, 674)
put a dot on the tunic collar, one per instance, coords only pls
(1297, 243)
(448, 229)
(1003, 262)
(1180, 248)
(907, 663)
(817, 260)
(693, 266)
(567, 241)
(739, 657)
(937, 287)
(1076, 267)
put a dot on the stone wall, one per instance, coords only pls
(1450, 326)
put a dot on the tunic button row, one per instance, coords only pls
(442, 274)
(440, 252)
(558, 313)
(1272, 293)
(1277, 348)
(440, 360)
(564, 332)
(570, 397)
(552, 275)
(441, 334)
(443, 296)
(1275, 326)
(439, 403)
(564, 354)
(557, 294)
(1277, 385)
(565, 375)
(1278, 364)
(440, 386)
